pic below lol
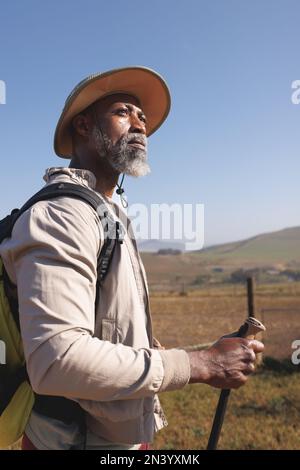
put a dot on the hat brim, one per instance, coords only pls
(146, 85)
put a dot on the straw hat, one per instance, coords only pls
(146, 85)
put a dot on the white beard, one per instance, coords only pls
(121, 156)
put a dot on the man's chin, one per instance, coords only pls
(135, 165)
(137, 170)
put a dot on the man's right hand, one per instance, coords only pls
(226, 364)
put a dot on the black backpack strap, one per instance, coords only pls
(112, 229)
(50, 192)
(9, 384)
(64, 190)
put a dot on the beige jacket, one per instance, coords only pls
(109, 366)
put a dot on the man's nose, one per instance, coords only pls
(137, 125)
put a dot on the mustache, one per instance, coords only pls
(134, 137)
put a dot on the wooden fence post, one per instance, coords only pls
(250, 297)
(251, 309)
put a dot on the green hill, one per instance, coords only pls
(275, 251)
(268, 248)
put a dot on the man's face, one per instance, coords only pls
(119, 134)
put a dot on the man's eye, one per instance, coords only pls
(122, 111)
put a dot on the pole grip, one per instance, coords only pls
(250, 328)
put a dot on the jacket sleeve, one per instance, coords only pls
(53, 255)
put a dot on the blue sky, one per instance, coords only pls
(231, 140)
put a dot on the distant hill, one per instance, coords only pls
(152, 246)
(276, 250)
(282, 246)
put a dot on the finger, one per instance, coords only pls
(241, 381)
(257, 346)
(249, 355)
(249, 369)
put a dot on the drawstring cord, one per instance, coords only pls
(120, 192)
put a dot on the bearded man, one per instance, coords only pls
(96, 375)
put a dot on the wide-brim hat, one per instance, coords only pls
(147, 86)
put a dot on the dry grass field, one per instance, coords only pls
(265, 413)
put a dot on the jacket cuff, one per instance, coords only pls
(177, 369)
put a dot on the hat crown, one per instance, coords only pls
(81, 84)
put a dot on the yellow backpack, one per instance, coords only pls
(15, 410)
(16, 395)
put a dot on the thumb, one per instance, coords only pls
(256, 345)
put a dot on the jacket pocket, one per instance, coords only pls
(108, 330)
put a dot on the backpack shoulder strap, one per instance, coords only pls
(112, 230)
(63, 190)
(50, 192)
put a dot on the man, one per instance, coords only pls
(109, 367)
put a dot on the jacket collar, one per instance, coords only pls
(85, 177)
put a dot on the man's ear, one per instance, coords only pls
(82, 125)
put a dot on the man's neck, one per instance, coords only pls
(106, 177)
(106, 186)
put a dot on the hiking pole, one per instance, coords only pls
(248, 330)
